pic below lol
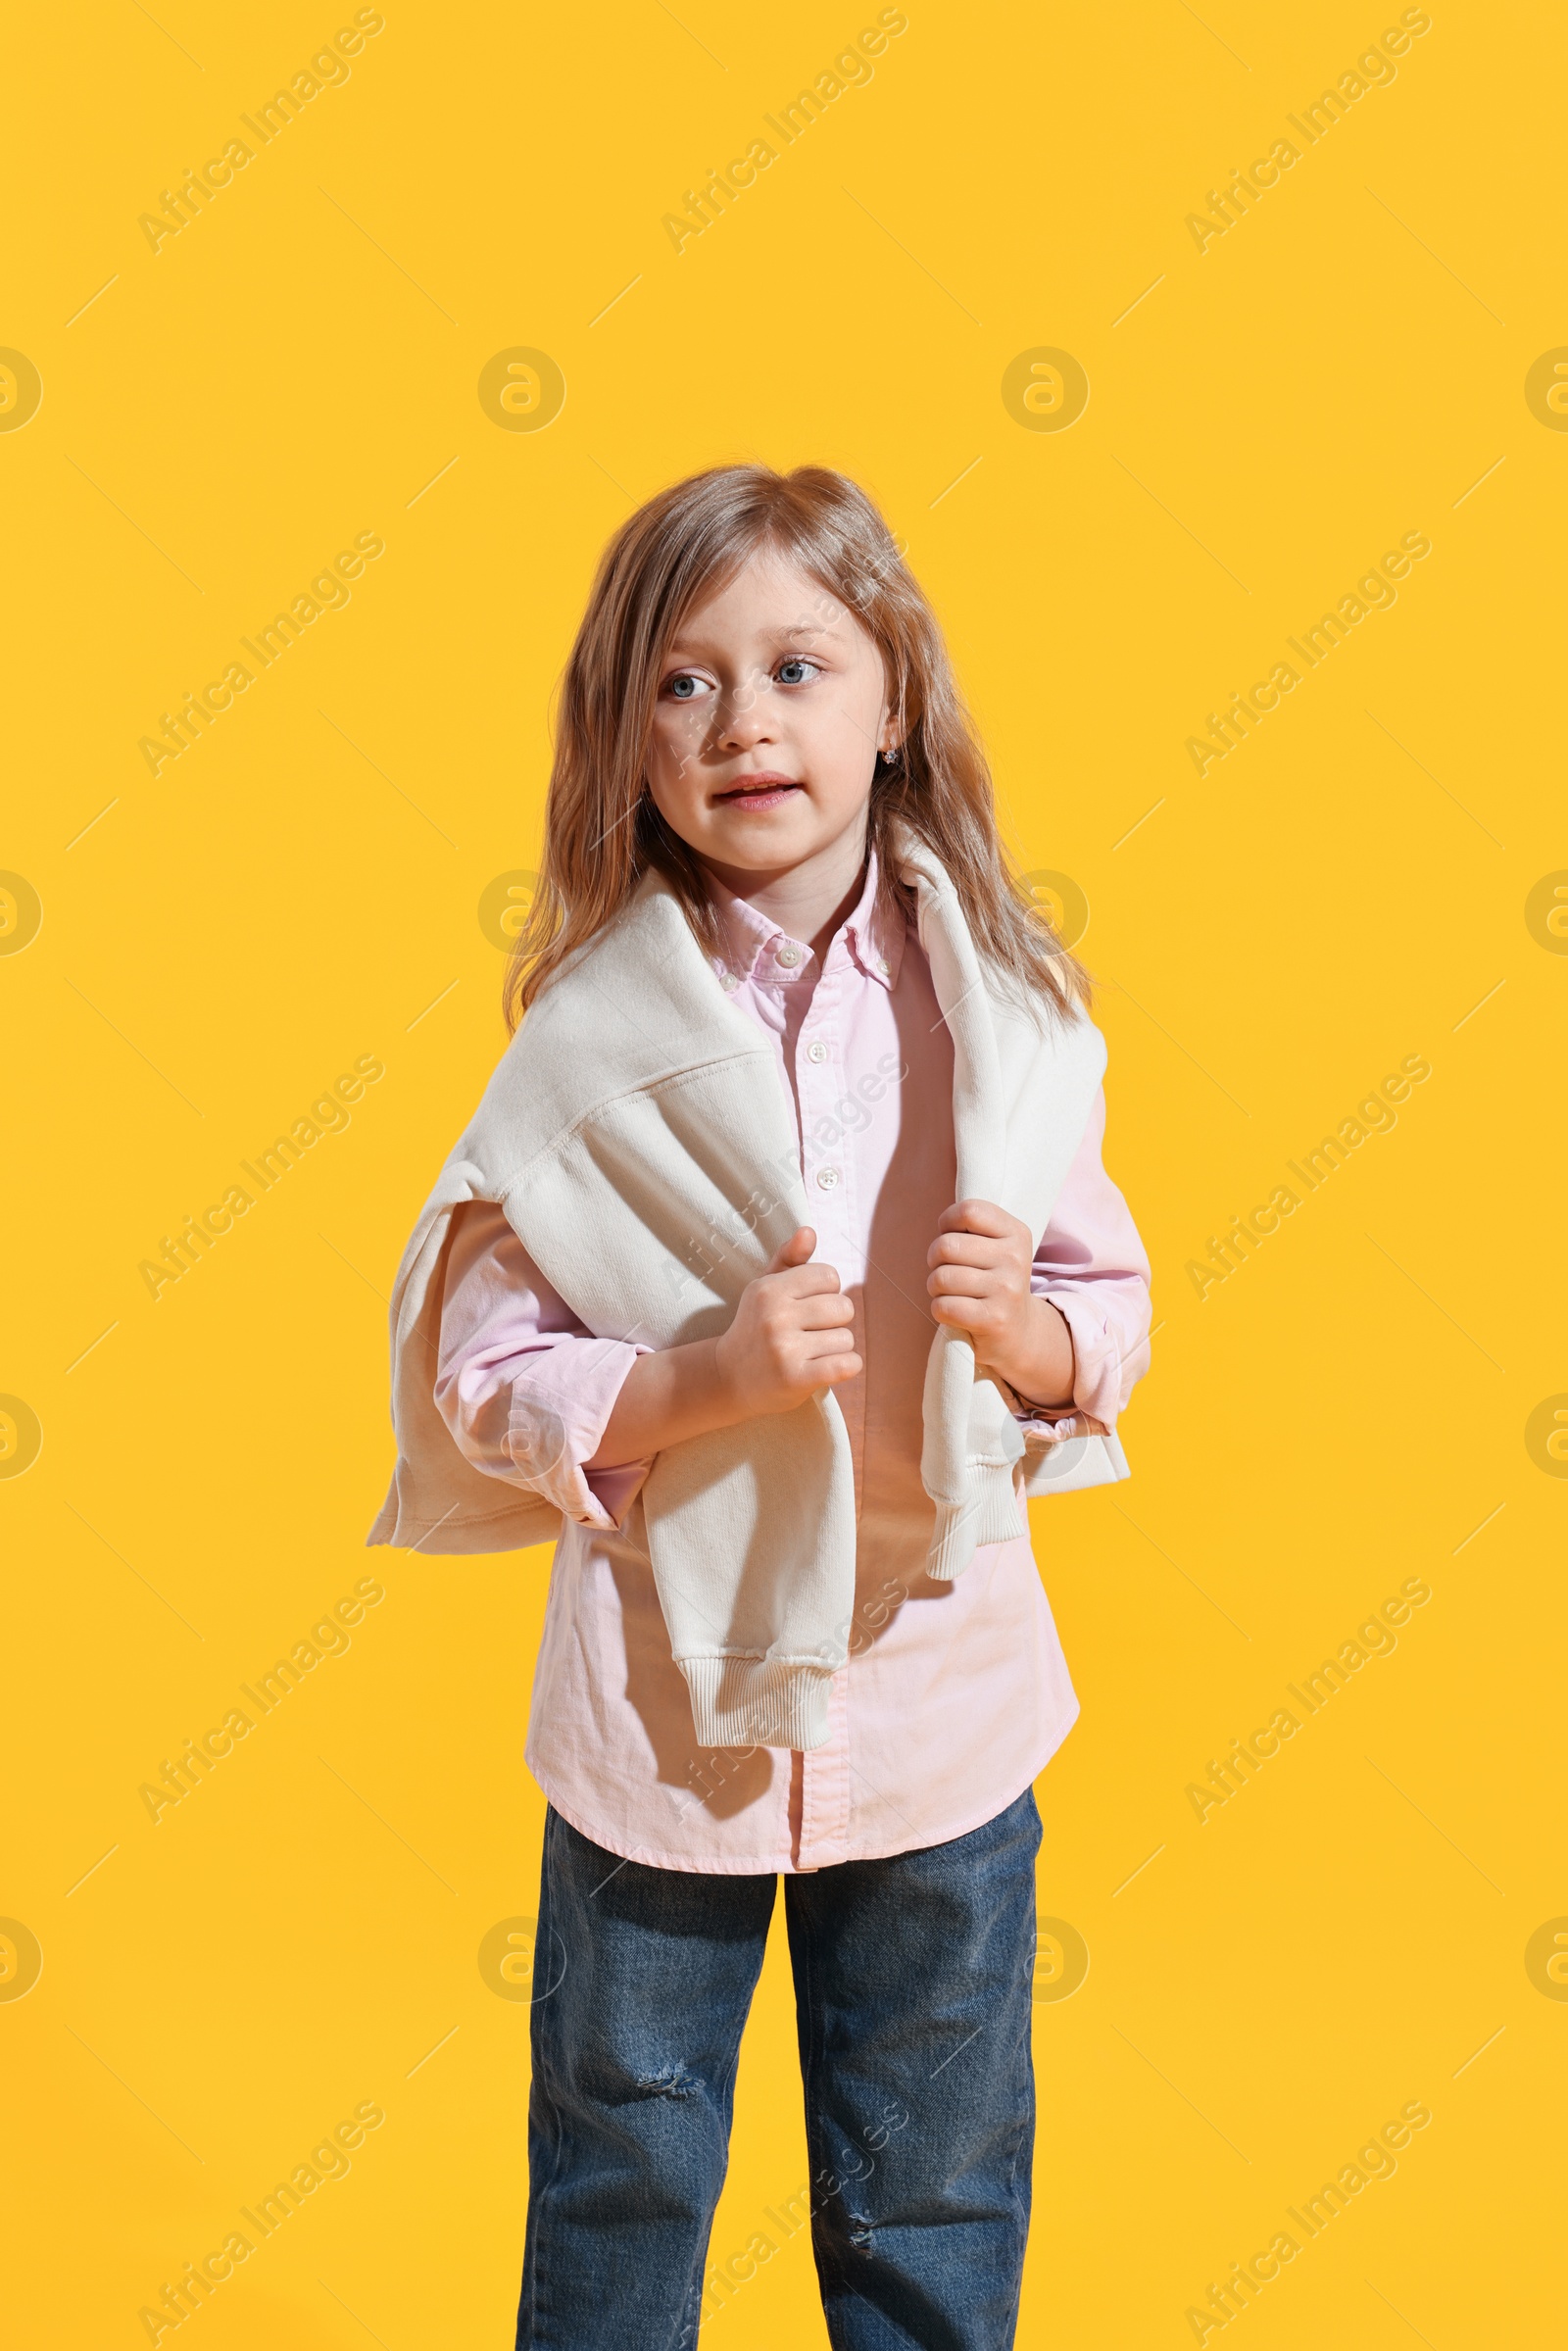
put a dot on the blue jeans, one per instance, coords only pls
(913, 1987)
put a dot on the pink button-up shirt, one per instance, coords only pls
(955, 1695)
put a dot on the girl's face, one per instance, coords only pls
(772, 706)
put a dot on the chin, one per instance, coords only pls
(779, 829)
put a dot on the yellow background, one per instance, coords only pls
(220, 941)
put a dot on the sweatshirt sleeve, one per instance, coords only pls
(1093, 1267)
(523, 1387)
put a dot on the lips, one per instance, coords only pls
(768, 790)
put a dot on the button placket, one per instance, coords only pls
(818, 1063)
(825, 1787)
(828, 1165)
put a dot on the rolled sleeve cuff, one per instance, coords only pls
(1037, 1432)
(554, 1428)
(1104, 1370)
(1099, 1385)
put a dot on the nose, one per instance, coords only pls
(748, 717)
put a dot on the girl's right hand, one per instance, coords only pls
(790, 1335)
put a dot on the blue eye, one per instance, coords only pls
(681, 689)
(795, 662)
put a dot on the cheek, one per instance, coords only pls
(836, 742)
(676, 780)
(676, 740)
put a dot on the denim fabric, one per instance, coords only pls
(913, 1981)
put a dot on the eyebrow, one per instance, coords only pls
(770, 636)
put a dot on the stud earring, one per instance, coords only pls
(890, 759)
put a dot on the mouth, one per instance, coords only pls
(765, 791)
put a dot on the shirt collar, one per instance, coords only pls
(753, 948)
(875, 932)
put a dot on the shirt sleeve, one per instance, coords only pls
(1093, 1268)
(523, 1387)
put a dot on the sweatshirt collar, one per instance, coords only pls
(870, 939)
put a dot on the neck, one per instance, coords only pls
(809, 900)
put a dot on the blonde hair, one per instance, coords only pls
(602, 828)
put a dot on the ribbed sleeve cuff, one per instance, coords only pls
(991, 1514)
(758, 1702)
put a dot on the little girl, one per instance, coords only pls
(775, 1269)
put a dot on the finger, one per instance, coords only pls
(969, 1281)
(978, 1216)
(832, 1311)
(807, 1281)
(833, 1369)
(793, 1252)
(820, 1346)
(965, 1313)
(969, 1314)
(970, 1249)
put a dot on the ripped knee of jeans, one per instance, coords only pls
(859, 2231)
(670, 2081)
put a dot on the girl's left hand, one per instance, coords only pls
(979, 1282)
